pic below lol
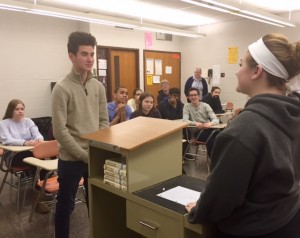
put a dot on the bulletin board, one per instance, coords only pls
(159, 65)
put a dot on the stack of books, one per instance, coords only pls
(115, 174)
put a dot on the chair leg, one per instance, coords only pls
(18, 191)
(208, 163)
(24, 193)
(186, 150)
(3, 181)
(34, 206)
(197, 149)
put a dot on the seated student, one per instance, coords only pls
(200, 115)
(134, 102)
(146, 107)
(118, 110)
(213, 100)
(172, 108)
(164, 92)
(16, 129)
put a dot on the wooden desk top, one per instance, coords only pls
(219, 126)
(136, 132)
(16, 148)
(224, 114)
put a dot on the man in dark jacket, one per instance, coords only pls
(213, 100)
(196, 81)
(164, 92)
(172, 108)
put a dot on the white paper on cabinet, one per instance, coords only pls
(180, 195)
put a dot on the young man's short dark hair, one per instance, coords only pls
(194, 89)
(173, 91)
(118, 88)
(77, 39)
(214, 88)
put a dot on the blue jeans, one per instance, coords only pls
(69, 175)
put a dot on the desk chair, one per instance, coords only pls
(229, 106)
(6, 166)
(194, 141)
(48, 186)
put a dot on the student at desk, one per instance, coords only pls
(15, 129)
(146, 107)
(213, 100)
(172, 108)
(134, 102)
(253, 189)
(118, 110)
(200, 115)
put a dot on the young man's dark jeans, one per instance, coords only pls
(69, 175)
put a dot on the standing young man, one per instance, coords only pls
(78, 107)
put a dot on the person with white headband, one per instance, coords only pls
(253, 189)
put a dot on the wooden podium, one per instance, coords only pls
(152, 151)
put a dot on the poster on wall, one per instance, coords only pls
(149, 79)
(102, 72)
(149, 66)
(168, 69)
(233, 54)
(156, 79)
(158, 67)
(216, 75)
(102, 63)
(148, 41)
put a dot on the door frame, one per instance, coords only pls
(108, 50)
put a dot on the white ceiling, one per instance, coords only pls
(286, 7)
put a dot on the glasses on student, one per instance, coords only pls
(193, 95)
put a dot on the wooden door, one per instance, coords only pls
(124, 70)
(171, 70)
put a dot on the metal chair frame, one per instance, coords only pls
(17, 171)
(196, 142)
(49, 185)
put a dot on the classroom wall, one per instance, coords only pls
(108, 36)
(213, 50)
(33, 54)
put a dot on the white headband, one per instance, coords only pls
(263, 56)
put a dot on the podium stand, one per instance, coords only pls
(152, 151)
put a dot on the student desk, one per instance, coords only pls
(218, 126)
(6, 167)
(152, 151)
(14, 150)
(224, 114)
